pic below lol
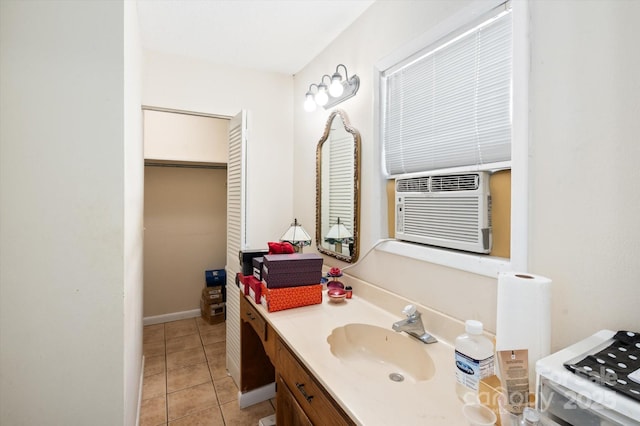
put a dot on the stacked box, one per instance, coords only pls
(215, 277)
(212, 313)
(257, 267)
(246, 259)
(213, 295)
(243, 283)
(212, 300)
(290, 270)
(255, 288)
(278, 299)
(289, 281)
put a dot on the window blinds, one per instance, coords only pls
(341, 179)
(451, 106)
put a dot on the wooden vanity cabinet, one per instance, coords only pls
(300, 398)
(317, 405)
(257, 352)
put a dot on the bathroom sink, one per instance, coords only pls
(373, 350)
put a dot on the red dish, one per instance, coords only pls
(336, 295)
(334, 285)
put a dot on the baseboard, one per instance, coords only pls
(257, 395)
(140, 393)
(233, 365)
(157, 319)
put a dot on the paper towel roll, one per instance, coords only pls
(524, 316)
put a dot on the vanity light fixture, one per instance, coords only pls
(339, 89)
(338, 235)
(322, 97)
(296, 236)
(310, 101)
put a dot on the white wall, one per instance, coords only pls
(185, 234)
(384, 27)
(133, 215)
(70, 282)
(583, 228)
(585, 110)
(191, 85)
(185, 137)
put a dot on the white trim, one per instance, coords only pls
(157, 319)
(477, 264)
(520, 133)
(490, 167)
(233, 364)
(141, 381)
(257, 395)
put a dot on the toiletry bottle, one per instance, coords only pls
(474, 358)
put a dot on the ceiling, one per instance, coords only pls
(269, 35)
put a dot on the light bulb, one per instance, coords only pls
(336, 87)
(309, 103)
(321, 97)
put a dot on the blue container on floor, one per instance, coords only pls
(215, 277)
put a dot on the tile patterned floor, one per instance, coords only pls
(186, 381)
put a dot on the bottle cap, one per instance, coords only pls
(530, 416)
(473, 327)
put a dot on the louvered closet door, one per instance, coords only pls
(236, 178)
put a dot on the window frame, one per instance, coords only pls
(480, 264)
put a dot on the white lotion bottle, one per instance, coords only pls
(475, 360)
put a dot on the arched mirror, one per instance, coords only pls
(338, 189)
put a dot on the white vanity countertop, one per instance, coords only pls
(374, 400)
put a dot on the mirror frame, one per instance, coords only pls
(356, 188)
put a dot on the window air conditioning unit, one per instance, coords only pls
(452, 211)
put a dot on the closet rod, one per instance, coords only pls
(188, 166)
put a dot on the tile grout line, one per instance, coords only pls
(201, 329)
(224, 421)
(213, 383)
(198, 332)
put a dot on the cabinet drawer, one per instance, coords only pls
(316, 403)
(250, 315)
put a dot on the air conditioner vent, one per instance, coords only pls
(417, 184)
(452, 211)
(469, 182)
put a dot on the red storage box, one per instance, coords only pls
(255, 288)
(278, 299)
(243, 283)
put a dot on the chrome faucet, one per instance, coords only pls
(413, 325)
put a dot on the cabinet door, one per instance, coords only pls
(289, 412)
(308, 393)
(256, 369)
